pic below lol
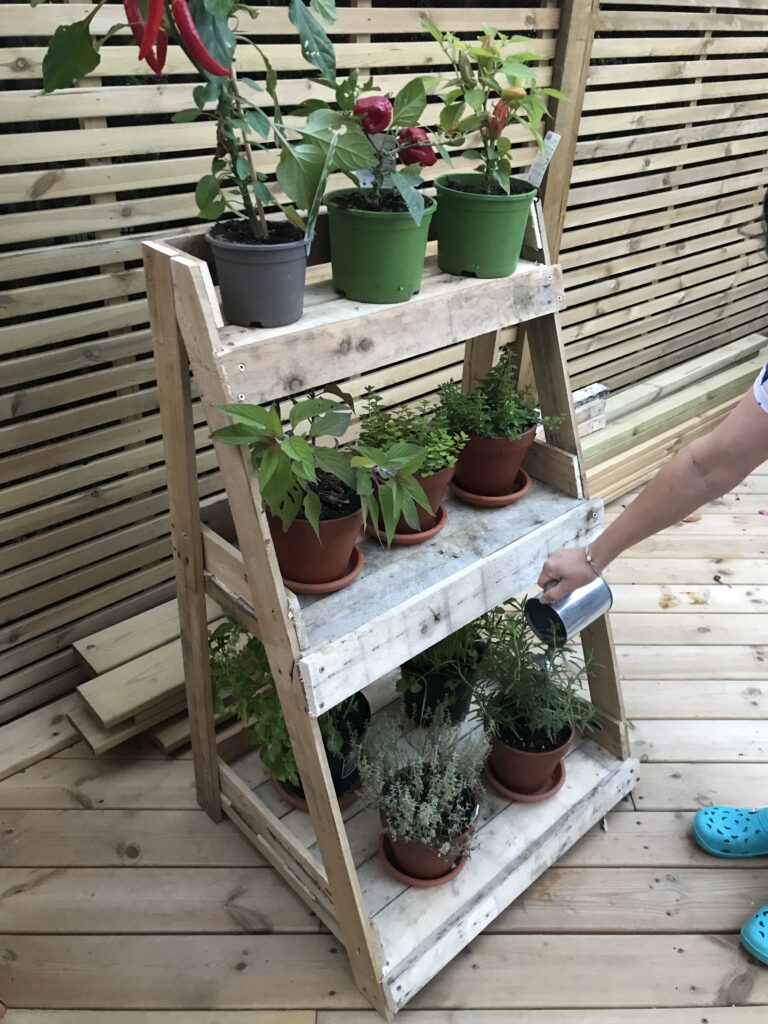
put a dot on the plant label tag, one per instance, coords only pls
(386, 145)
(539, 166)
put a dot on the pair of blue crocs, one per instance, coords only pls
(736, 832)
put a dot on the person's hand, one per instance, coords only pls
(564, 571)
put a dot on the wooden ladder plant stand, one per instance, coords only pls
(321, 651)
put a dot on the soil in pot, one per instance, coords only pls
(480, 234)
(526, 763)
(377, 254)
(490, 466)
(343, 766)
(261, 281)
(305, 559)
(419, 864)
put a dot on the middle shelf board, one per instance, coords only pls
(422, 930)
(406, 599)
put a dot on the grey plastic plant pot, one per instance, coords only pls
(261, 285)
(561, 621)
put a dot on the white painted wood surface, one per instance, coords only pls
(262, 364)
(409, 598)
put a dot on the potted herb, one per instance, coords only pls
(379, 227)
(500, 420)
(243, 684)
(444, 675)
(424, 426)
(260, 263)
(531, 706)
(319, 493)
(482, 215)
(426, 791)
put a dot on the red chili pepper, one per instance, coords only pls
(376, 113)
(155, 58)
(497, 122)
(416, 153)
(155, 10)
(190, 38)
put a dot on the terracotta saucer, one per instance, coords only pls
(555, 784)
(353, 571)
(416, 883)
(301, 805)
(402, 540)
(523, 485)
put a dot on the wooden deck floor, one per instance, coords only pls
(118, 894)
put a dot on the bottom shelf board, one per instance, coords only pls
(420, 931)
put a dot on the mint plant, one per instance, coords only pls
(496, 408)
(423, 425)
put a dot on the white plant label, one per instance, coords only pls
(539, 166)
(385, 144)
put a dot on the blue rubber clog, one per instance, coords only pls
(732, 832)
(754, 935)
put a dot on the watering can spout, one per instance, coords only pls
(559, 622)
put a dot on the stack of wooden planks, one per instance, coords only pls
(648, 422)
(137, 684)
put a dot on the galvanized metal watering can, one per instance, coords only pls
(559, 622)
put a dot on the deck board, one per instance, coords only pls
(634, 925)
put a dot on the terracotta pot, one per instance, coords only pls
(305, 558)
(522, 771)
(490, 465)
(420, 863)
(435, 487)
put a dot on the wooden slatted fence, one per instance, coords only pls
(660, 249)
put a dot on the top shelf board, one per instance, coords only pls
(337, 338)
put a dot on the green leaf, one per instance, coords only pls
(299, 170)
(185, 116)
(346, 92)
(321, 123)
(450, 115)
(258, 121)
(242, 412)
(414, 200)
(391, 507)
(336, 463)
(409, 104)
(298, 449)
(308, 408)
(325, 10)
(251, 83)
(71, 55)
(237, 433)
(331, 424)
(345, 396)
(269, 465)
(261, 192)
(219, 8)
(316, 47)
(312, 510)
(354, 151)
(476, 99)
(213, 211)
(430, 27)
(207, 191)
(554, 93)
(242, 171)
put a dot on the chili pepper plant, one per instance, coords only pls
(482, 214)
(379, 226)
(261, 264)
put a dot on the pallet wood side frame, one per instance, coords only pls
(193, 325)
(196, 316)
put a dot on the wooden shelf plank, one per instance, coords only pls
(262, 364)
(409, 598)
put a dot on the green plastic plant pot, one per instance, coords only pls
(376, 256)
(480, 235)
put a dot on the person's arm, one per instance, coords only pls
(704, 470)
